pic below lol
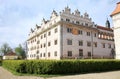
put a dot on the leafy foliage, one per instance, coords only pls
(61, 66)
(5, 48)
(20, 51)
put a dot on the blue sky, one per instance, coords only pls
(17, 17)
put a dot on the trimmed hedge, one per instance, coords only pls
(61, 66)
(0, 62)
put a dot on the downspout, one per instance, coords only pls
(92, 45)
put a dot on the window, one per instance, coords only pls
(56, 30)
(81, 43)
(34, 55)
(41, 55)
(49, 33)
(70, 53)
(80, 32)
(68, 20)
(41, 36)
(86, 24)
(55, 42)
(55, 53)
(80, 52)
(41, 45)
(49, 43)
(37, 52)
(48, 54)
(44, 35)
(44, 45)
(103, 45)
(95, 44)
(88, 44)
(95, 35)
(109, 45)
(69, 30)
(37, 57)
(44, 55)
(69, 42)
(88, 33)
(38, 42)
(89, 54)
(77, 22)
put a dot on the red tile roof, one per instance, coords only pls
(117, 9)
(11, 54)
(104, 28)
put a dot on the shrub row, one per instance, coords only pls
(61, 67)
(0, 62)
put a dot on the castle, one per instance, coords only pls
(70, 35)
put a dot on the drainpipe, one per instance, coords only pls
(61, 41)
(92, 45)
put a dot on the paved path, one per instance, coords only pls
(4, 74)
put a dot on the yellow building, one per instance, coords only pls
(10, 56)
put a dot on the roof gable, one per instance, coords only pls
(11, 54)
(117, 9)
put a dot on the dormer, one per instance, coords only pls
(86, 15)
(53, 14)
(77, 12)
(67, 10)
(37, 27)
(43, 21)
(32, 30)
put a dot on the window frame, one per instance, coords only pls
(55, 53)
(88, 43)
(55, 42)
(49, 43)
(80, 42)
(69, 41)
(80, 53)
(69, 53)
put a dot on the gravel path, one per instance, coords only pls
(4, 74)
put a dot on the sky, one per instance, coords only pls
(17, 17)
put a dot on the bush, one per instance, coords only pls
(61, 66)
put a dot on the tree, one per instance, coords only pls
(20, 51)
(5, 48)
